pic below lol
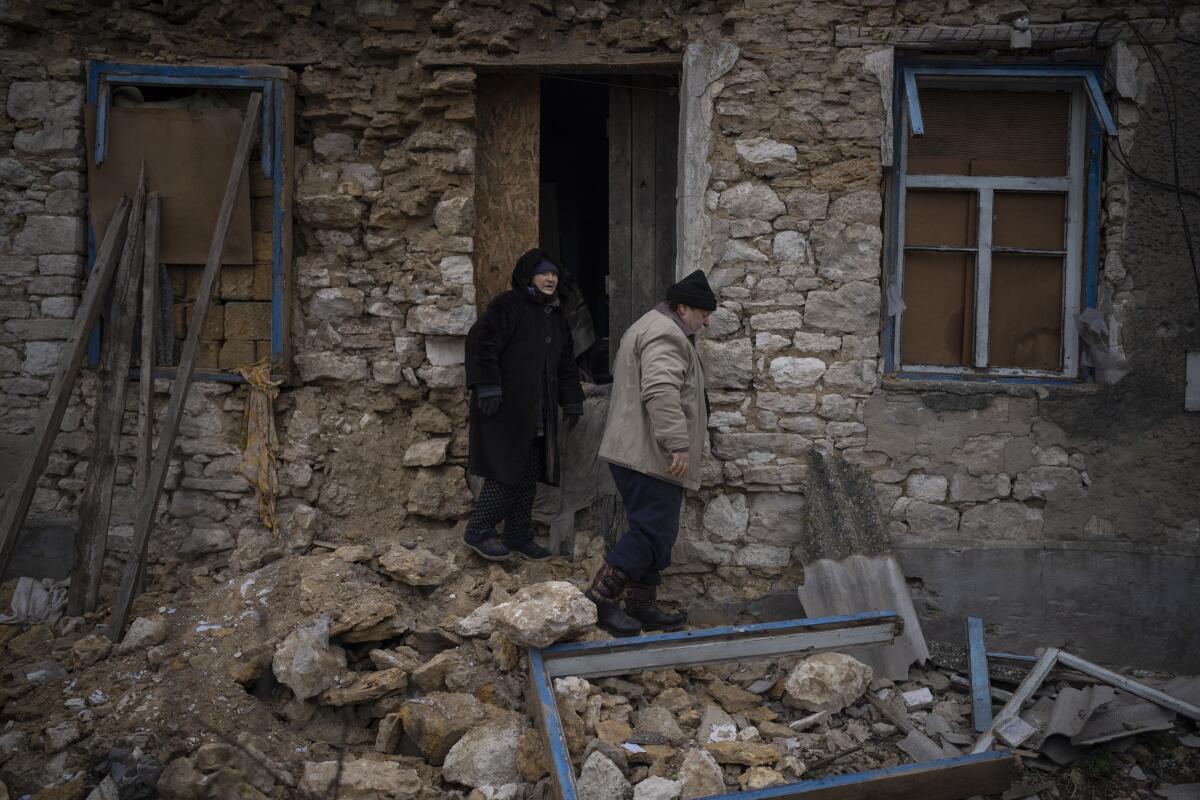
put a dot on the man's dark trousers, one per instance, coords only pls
(652, 507)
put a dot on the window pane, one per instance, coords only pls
(1029, 220)
(991, 133)
(934, 218)
(1026, 311)
(937, 325)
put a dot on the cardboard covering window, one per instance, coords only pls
(187, 153)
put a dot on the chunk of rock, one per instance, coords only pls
(827, 682)
(656, 788)
(542, 614)
(361, 780)
(655, 721)
(531, 756)
(306, 662)
(716, 726)
(367, 687)
(143, 632)
(760, 778)
(478, 624)
(487, 755)
(417, 567)
(733, 698)
(180, 781)
(700, 776)
(748, 754)
(601, 779)
(437, 721)
(89, 650)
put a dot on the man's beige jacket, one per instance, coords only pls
(657, 402)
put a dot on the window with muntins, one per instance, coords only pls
(994, 224)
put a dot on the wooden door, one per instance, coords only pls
(643, 145)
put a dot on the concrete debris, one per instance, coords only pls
(542, 614)
(361, 780)
(143, 632)
(487, 755)
(601, 779)
(827, 682)
(700, 776)
(306, 662)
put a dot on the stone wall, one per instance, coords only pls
(373, 428)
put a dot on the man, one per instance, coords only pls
(657, 417)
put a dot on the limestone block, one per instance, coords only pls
(930, 488)
(438, 720)
(700, 775)
(771, 343)
(324, 365)
(740, 251)
(852, 376)
(236, 353)
(332, 303)
(417, 567)
(846, 252)
(360, 780)
(456, 270)
(330, 211)
(729, 364)
(15, 266)
(863, 206)
(544, 613)
(776, 518)
(776, 321)
(1054, 484)
(439, 493)
(306, 662)
(49, 235)
(1004, 520)
(359, 179)
(487, 755)
(42, 358)
(45, 100)
(731, 446)
(762, 556)
(726, 517)
(143, 632)
(429, 453)
(760, 150)
(430, 319)
(827, 682)
(790, 372)
(248, 321)
(657, 788)
(445, 351)
(443, 377)
(726, 320)
(789, 403)
(601, 779)
(790, 247)
(838, 408)
(454, 216)
(13, 173)
(202, 541)
(333, 146)
(752, 200)
(972, 489)
(928, 519)
(807, 205)
(852, 308)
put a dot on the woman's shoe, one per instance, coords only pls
(530, 551)
(487, 546)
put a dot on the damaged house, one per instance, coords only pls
(958, 299)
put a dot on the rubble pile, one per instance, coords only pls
(395, 672)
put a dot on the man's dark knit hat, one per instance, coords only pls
(693, 291)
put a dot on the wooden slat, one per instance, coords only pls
(666, 167)
(284, 278)
(581, 61)
(644, 197)
(1129, 685)
(1033, 679)
(981, 688)
(150, 273)
(148, 506)
(21, 494)
(620, 213)
(91, 539)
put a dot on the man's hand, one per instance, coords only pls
(679, 464)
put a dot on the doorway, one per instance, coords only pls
(600, 191)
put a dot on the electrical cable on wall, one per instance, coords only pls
(1170, 106)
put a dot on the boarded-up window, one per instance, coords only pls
(986, 243)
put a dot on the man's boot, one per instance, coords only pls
(640, 604)
(605, 592)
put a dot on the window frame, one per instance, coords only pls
(1088, 116)
(277, 85)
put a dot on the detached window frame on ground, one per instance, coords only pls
(957, 777)
(276, 86)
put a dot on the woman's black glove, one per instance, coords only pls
(572, 412)
(487, 399)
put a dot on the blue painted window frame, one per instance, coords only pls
(273, 82)
(906, 113)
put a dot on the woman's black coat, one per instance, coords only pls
(523, 345)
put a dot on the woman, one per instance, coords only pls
(520, 370)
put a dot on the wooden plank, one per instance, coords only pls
(981, 689)
(643, 197)
(1129, 685)
(148, 506)
(559, 61)
(666, 168)
(112, 377)
(507, 161)
(620, 216)
(944, 779)
(283, 285)
(901, 721)
(150, 289)
(20, 495)
(1023, 693)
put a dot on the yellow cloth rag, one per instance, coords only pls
(260, 448)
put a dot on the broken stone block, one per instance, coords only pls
(370, 686)
(700, 776)
(387, 738)
(732, 698)
(437, 721)
(487, 755)
(748, 754)
(542, 614)
(656, 722)
(531, 756)
(89, 650)
(716, 726)
(32, 643)
(306, 663)
(180, 781)
(143, 632)
(657, 788)
(477, 624)
(429, 453)
(59, 737)
(417, 567)
(827, 682)
(360, 780)
(601, 779)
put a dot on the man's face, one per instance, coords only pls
(546, 282)
(694, 318)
